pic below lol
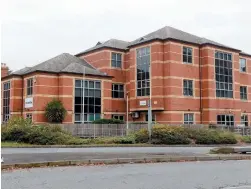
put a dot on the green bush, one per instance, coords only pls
(163, 134)
(211, 136)
(55, 111)
(246, 139)
(115, 140)
(108, 121)
(141, 136)
(20, 130)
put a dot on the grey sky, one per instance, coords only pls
(36, 30)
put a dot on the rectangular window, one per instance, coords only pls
(187, 55)
(227, 120)
(119, 117)
(87, 102)
(188, 87)
(116, 60)
(29, 87)
(6, 101)
(243, 67)
(243, 93)
(188, 118)
(153, 117)
(223, 75)
(143, 73)
(244, 120)
(29, 116)
(117, 90)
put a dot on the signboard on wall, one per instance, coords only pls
(28, 102)
(142, 103)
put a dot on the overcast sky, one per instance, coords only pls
(36, 30)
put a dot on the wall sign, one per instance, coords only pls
(142, 103)
(28, 102)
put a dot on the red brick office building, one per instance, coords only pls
(189, 80)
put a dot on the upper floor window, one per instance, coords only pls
(143, 74)
(243, 92)
(188, 87)
(117, 90)
(227, 120)
(187, 55)
(244, 120)
(29, 86)
(188, 118)
(243, 67)
(223, 75)
(116, 60)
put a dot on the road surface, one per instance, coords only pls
(27, 155)
(185, 175)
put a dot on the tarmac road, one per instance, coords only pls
(183, 175)
(28, 155)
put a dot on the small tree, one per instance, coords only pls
(55, 111)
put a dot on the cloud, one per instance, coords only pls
(34, 31)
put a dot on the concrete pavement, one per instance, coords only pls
(185, 175)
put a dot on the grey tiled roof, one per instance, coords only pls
(172, 33)
(63, 63)
(111, 43)
(164, 33)
(245, 53)
(21, 71)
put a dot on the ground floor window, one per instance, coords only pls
(244, 120)
(153, 117)
(119, 117)
(29, 116)
(227, 120)
(188, 118)
(87, 101)
(6, 101)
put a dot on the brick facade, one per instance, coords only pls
(167, 74)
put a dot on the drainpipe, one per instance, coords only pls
(200, 75)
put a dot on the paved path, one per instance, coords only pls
(186, 175)
(26, 155)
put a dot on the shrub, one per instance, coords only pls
(163, 134)
(115, 140)
(207, 136)
(142, 136)
(55, 111)
(108, 121)
(18, 130)
(246, 139)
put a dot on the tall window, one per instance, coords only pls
(91, 102)
(6, 101)
(116, 60)
(187, 55)
(29, 86)
(227, 120)
(188, 118)
(188, 87)
(117, 91)
(143, 76)
(243, 67)
(243, 92)
(223, 75)
(119, 117)
(244, 120)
